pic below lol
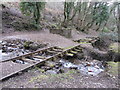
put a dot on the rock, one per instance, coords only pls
(91, 68)
(33, 46)
(60, 71)
(42, 45)
(59, 64)
(70, 65)
(74, 68)
(45, 68)
(26, 45)
(17, 47)
(115, 47)
(51, 72)
(80, 56)
(57, 67)
(50, 64)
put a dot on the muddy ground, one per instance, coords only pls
(71, 79)
(34, 78)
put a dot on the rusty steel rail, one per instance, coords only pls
(28, 54)
(59, 54)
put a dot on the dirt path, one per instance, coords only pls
(42, 36)
(71, 79)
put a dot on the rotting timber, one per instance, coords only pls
(43, 55)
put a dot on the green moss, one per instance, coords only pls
(27, 44)
(71, 72)
(50, 64)
(106, 30)
(38, 78)
(69, 54)
(55, 26)
(53, 77)
(73, 52)
(41, 70)
(115, 47)
(113, 68)
(68, 47)
(63, 76)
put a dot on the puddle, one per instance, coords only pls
(86, 68)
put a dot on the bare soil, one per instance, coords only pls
(11, 67)
(72, 79)
(43, 37)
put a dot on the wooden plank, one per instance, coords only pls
(51, 51)
(74, 52)
(29, 60)
(77, 50)
(69, 54)
(40, 57)
(57, 50)
(38, 63)
(25, 55)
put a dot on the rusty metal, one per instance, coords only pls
(58, 54)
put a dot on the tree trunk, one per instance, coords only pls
(38, 13)
(118, 25)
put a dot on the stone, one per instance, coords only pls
(50, 64)
(60, 71)
(80, 56)
(51, 72)
(45, 68)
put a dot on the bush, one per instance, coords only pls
(107, 34)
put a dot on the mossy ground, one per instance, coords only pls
(113, 68)
(52, 77)
(115, 47)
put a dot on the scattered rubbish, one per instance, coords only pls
(90, 69)
(87, 68)
(18, 47)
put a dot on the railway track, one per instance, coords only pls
(86, 40)
(14, 66)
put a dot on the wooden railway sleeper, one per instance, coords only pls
(60, 54)
(28, 60)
